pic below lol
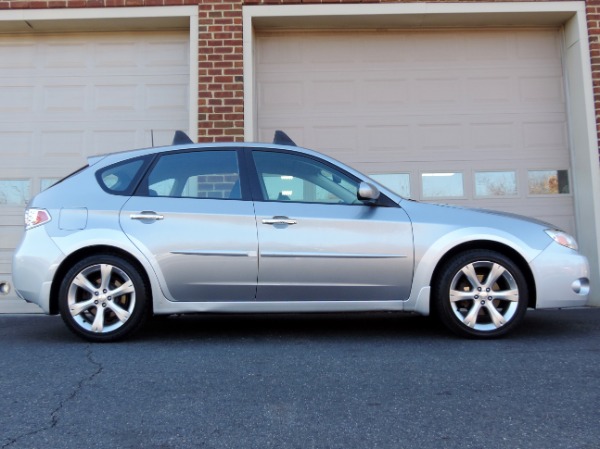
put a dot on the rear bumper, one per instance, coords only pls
(34, 264)
(561, 278)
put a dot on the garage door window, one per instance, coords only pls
(397, 182)
(548, 182)
(46, 183)
(442, 185)
(492, 184)
(15, 192)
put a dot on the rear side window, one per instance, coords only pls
(195, 174)
(119, 178)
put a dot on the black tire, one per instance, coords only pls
(471, 303)
(105, 283)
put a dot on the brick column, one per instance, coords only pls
(221, 82)
(593, 22)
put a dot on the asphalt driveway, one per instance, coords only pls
(318, 381)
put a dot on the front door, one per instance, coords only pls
(318, 242)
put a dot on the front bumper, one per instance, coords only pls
(34, 264)
(561, 278)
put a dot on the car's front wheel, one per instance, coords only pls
(103, 298)
(481, 294)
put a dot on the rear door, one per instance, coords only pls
(318, 242)
(195, 223)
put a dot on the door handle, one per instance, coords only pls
(146, 216)
(279, 221)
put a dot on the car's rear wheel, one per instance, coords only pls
(103, 298)
(481, 294)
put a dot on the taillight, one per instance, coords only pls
(36, 217)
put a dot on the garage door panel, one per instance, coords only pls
(281, 97)
(330, 95)
(17, 55)
(385, 91)
(67, 98)
(62, 144)
(538, 90)
(16, 97)
(161, 98)
(538, 45)
(551, 136)
(16, 145)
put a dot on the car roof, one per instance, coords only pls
(129, 154)
(181, 141)
(280, 142)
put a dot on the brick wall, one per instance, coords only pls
(221, 98)
(221, 82)
(593, 21)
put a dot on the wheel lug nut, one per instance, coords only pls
(490, 298)
(103, 304)
(104, 291)
(483, 303)
(479, 289)
(96, 302)
(476, 296)
(96, 293)
(487, 290)
(110, 298)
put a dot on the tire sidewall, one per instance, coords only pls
(441, 293)
(138, 315)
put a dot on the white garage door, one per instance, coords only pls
(470, 117)
(66, 96)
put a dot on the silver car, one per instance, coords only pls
(236, 227)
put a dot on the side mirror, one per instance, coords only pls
(367, 192)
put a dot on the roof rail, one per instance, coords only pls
(181, 138)
(282, 138)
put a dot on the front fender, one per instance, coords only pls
(429, 252)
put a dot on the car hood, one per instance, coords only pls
(442, 219)
(502, 214)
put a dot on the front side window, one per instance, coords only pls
(195, 174)
(291, 177)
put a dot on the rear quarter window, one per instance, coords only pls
(121, 178)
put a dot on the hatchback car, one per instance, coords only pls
(265, 228)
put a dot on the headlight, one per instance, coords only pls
(562, 238)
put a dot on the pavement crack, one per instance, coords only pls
(54, 415)
(80, 384)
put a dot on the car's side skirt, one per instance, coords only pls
(166, 308)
